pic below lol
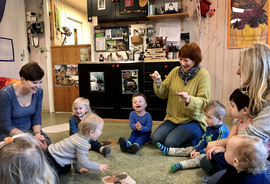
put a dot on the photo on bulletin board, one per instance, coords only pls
(97, 81)
(114, 38)
(101, 5)
(66, 75)
(130, 81)
(6, 50)
(248, 23)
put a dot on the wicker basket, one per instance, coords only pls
(136, 39)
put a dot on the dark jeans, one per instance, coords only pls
(58, 168)
(177, 135)
(139, 138)
(217, 163)
(95, 145)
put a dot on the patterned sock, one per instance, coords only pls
(162, 148)
(177, 166)
(128, 144)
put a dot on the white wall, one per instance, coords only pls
(68, 14)
(13, 26)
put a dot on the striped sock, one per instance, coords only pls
(162, 148)
(177, 166)
(128, 144)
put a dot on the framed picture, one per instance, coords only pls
(248, 23)
(171, 7)
(130, 81)
(97, 81)
(6, 50)
(101, 5)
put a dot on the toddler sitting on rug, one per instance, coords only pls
(215, 113)
(140, 123)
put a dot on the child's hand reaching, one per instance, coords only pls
(194, 154)
(103, 167)
(138, 126)
(83, 170)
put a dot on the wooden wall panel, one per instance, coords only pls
(65, 95)
(221, 62)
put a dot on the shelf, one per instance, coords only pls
(180, 16)
(167, 16)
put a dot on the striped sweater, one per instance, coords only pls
(73, 149)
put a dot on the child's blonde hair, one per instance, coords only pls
(255, 74)
(22, 161)
(251, 153)
(219, 109)
(89, 122)
(81, 100)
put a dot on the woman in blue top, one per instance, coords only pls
(21, 103)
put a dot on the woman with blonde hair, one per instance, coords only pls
(254, 71)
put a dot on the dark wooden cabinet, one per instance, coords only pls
(116, 11)
(112, 102)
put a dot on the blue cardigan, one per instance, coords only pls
(13, 115)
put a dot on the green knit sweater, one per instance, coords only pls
(198, 88)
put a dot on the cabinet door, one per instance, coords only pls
(131, 82)
(97, 82)
(134, 12)
(105, 12)
(156, 106)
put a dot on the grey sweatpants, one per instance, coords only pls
(185, 152)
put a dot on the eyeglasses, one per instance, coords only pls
(36, 83)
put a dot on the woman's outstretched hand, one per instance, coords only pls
(184, 96)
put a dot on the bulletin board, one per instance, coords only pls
(115, 38)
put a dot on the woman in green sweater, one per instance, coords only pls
(187, 90)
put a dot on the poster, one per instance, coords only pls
(97, 81)
(130, 82)
(248, 23)
(66, 75)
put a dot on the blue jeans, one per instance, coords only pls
(177, 135)
(139, 138)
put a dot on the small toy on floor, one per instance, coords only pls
(118, 178)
